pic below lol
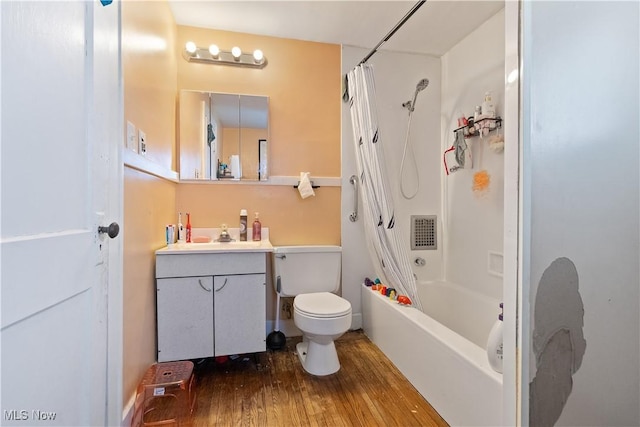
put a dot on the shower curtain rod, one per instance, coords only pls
(404, 19)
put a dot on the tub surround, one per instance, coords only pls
(474, 314)
(469, 70)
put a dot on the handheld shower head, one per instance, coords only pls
(422, 85)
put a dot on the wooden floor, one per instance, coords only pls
(272, 389)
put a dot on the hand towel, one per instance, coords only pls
(460, 146)
(304, 187)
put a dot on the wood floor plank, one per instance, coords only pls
(272, 389)
(292, 406)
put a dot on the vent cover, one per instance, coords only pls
(423, 232)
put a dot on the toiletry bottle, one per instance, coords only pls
(181, 235)
(243, 225)
(188, 227)
(488, 108)
(170, 234)
(494, 345)
(257, 229)
(478, 113)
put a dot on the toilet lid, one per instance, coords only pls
(321, 304)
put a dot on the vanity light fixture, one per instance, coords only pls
(236, 52)
(214, 50)
(258, 56)
(191, 48)
(214, 55)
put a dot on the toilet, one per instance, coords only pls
(311, 274)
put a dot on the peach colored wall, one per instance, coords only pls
(149, 69)
(303, 83)
(149, 205)
(192, 105)
(291, 220)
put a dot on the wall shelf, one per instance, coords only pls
(486, 125)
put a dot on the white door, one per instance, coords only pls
(61, 281)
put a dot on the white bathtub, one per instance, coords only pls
(449, 370)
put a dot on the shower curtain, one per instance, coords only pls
(386, 246)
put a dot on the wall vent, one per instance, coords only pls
(423, 232)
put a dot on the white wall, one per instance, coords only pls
(396, 77)
(581, 148)
(473, 222)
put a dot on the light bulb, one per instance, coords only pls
(236, 52)
(191, 47)
(214, 50)
(258, 56)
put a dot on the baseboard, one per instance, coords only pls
(356, 321)
(127, 411)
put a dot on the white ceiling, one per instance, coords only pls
(433, 29)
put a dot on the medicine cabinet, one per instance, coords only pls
(223, 136)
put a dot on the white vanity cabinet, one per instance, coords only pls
(210, 304)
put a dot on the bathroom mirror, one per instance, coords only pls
(223, 136)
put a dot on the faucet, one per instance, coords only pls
(224, 235)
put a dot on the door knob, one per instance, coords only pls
(112, 230)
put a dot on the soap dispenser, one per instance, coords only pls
(495, 344)
(488, 108)
(257, 229)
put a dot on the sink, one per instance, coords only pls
(236, 246)
(217, 245)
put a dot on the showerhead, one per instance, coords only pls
(422, 85)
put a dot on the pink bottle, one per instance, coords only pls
(257, 229)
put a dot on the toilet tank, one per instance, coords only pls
(306, 269)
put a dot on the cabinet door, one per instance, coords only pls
(240, 314)
(185, 318)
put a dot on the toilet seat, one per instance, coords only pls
(321, 305)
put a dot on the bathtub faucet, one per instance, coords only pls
(420, 262)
